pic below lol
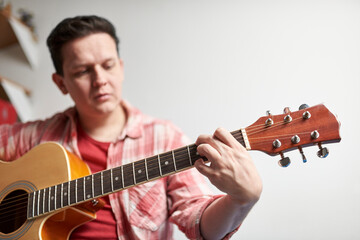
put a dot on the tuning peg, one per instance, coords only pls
(302, 154)
(287, 110)
(323, 152)
(284, 161)
(303, 106)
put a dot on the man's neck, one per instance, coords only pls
(104, 128)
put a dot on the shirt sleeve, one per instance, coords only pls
(17, 139)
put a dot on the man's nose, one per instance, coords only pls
(99, 77)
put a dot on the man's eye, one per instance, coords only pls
(82, 72)
(109, 65)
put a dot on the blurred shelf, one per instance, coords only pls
(18, 96)
(13, 31)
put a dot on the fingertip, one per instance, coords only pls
(200, 165)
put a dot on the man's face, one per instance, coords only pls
(93, 74)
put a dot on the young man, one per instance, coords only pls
(106, 131)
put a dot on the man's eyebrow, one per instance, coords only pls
(80, 64)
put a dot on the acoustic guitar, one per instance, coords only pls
(48, 192)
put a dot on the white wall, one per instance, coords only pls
(204, 64)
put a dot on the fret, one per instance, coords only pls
(133, 168)
(102, 184)
(55, 197)
(158, 158)
(76, 191)
(173, 156)
(69, 195)
(62, 194)
(140, 172)
(52, 198)
(193, 153)
(153, 167)
(122, 176)
(58, 196)
(80, 190)
(65, 194)
(117, 178)
(146, 170)
(72, 192)
(190, 161)
(30, 209)
(41, 202)
(36, 203)
(98, 189)
(84, 185)
(92, 185)
(112, 184)
(182, 158)
(88, 187)
(46, 200)
(167, 165)
(128, 175)
(107, 181)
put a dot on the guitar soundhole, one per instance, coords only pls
(13, 211)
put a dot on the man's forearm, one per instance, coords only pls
(222, 217)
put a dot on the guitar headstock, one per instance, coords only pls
(276, 134)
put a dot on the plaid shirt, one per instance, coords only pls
(146, 211)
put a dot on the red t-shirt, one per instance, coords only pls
(94, 153)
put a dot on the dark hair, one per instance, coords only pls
(72, 28)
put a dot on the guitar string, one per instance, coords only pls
(18, 198)
(237, 134)
(150, 163)
(12, 200)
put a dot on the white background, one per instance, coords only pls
(204, 64)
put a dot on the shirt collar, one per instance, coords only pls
(133, 128)
(134, 122)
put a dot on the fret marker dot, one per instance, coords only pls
(65, 194)
(52, 198)
(116, 178)
(139, 171)
(88, 196)
(166, 163)
(88, 178)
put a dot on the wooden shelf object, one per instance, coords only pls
(12, 31)
(18, 96)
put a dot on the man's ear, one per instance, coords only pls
(59, 81)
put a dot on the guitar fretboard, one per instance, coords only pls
(113, 180)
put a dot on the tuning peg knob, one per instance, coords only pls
(284, 162)
(323, 152)
(287, 110)
(303, 106)
(302, 154)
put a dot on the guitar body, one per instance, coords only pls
(45, 165)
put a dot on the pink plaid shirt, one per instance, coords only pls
(147, 211)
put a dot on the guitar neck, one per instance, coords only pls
(112, 180)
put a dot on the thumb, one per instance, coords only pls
(202, 167)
